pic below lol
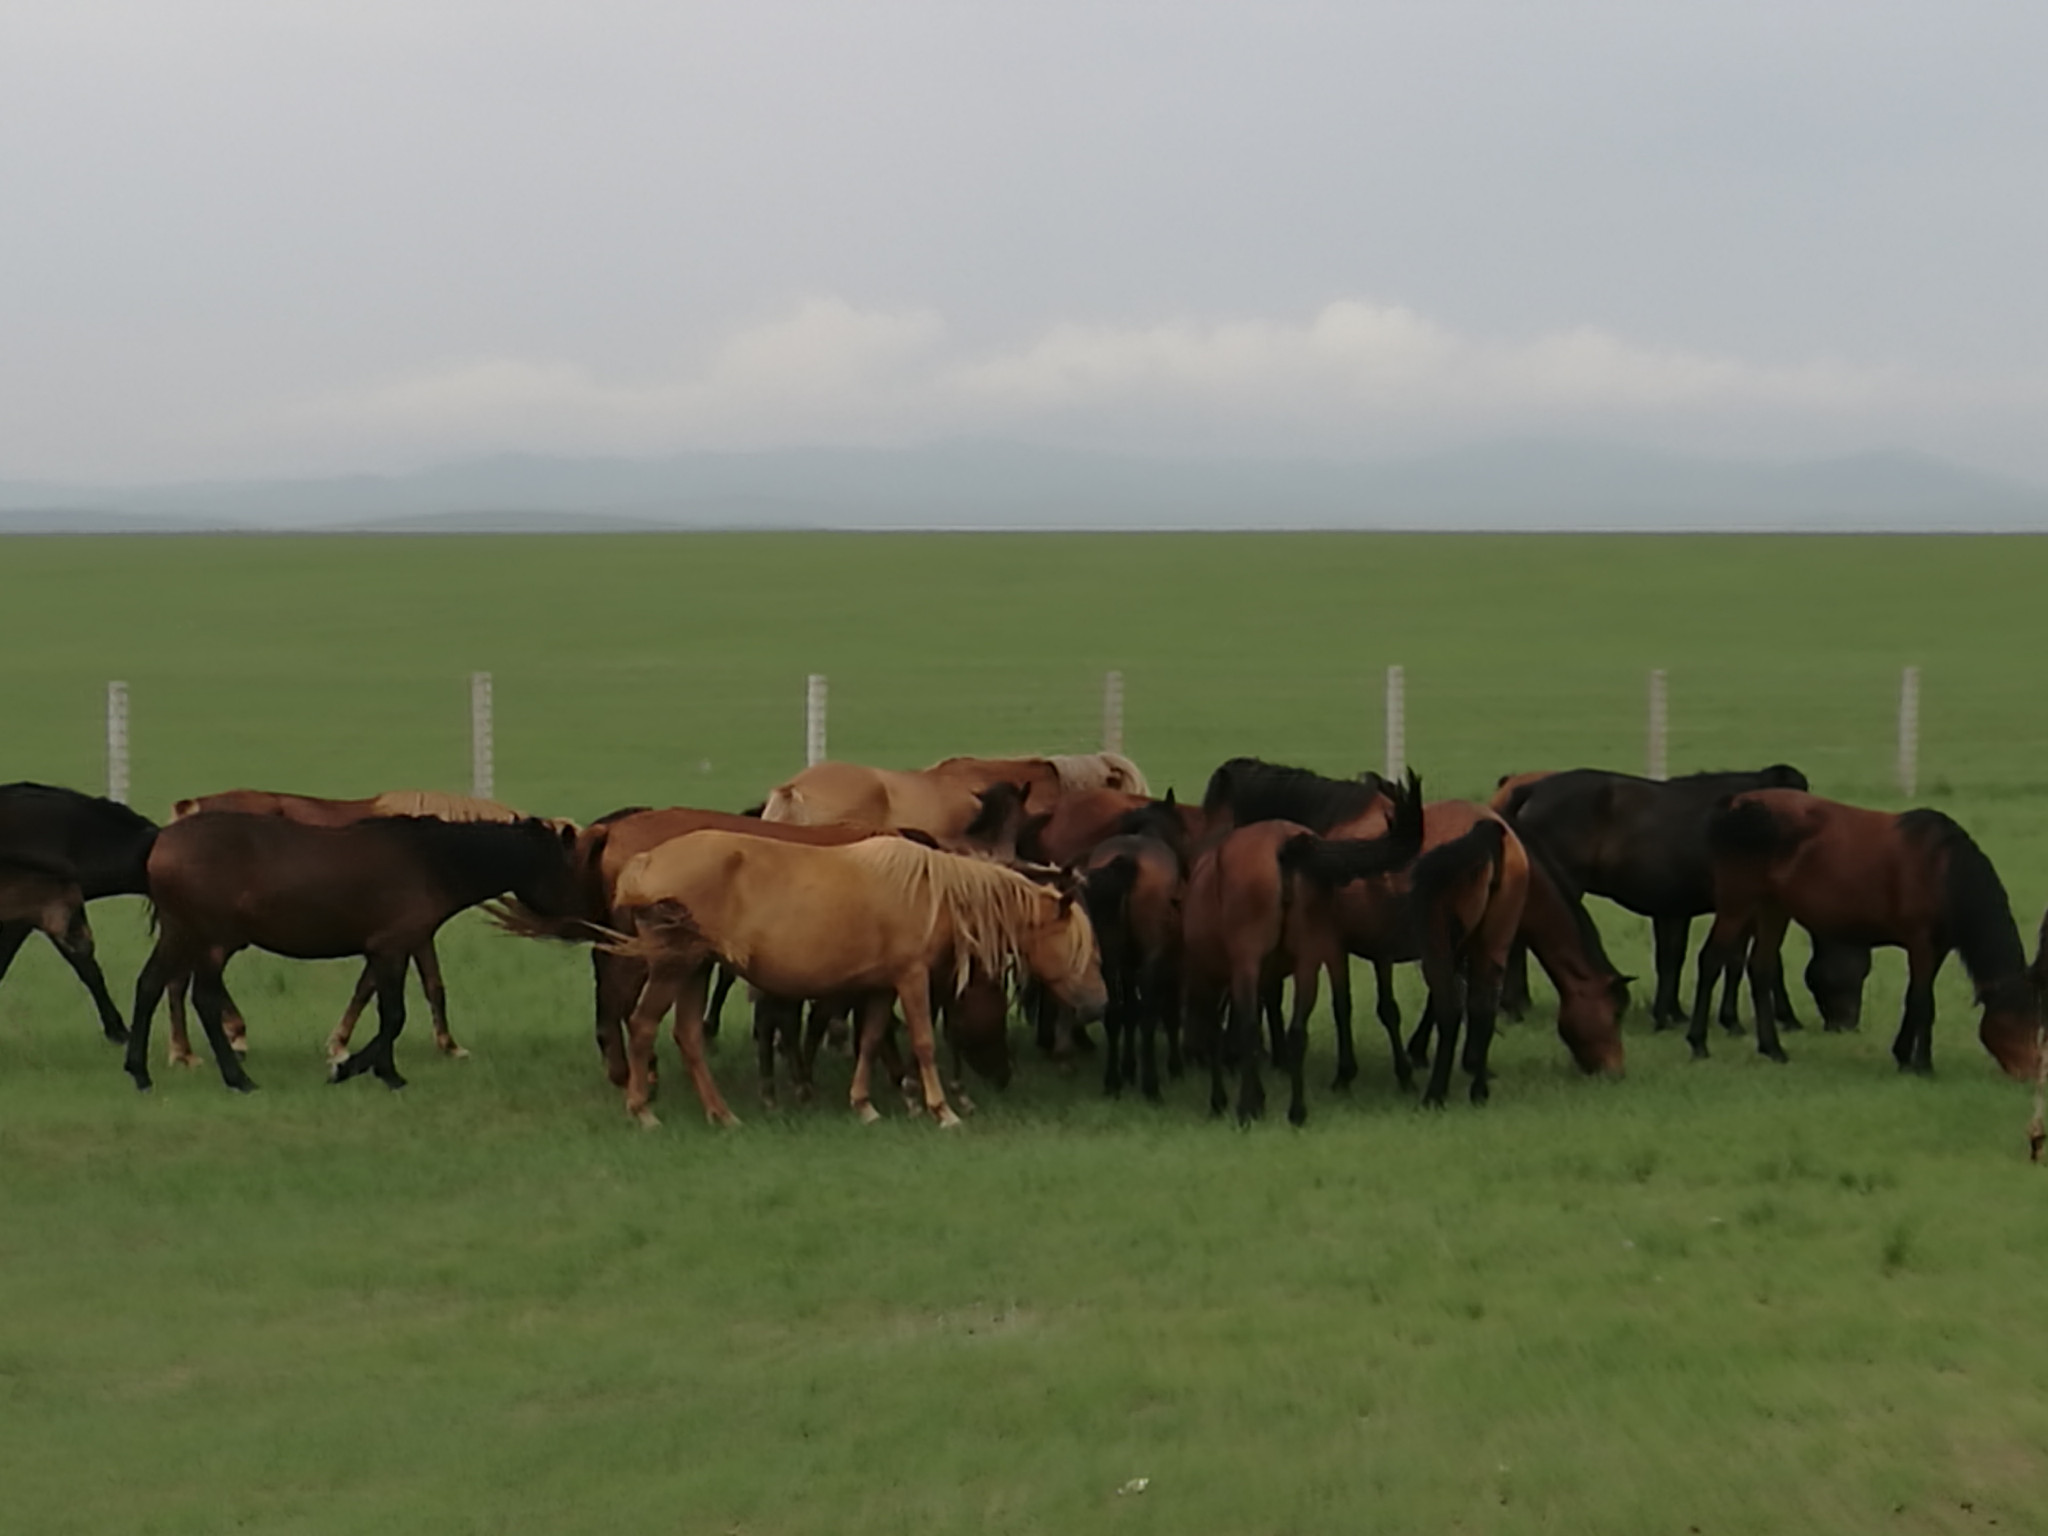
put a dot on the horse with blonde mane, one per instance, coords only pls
(941, 800)
(877, 919)
(314, 811)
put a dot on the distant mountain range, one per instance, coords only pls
(1507, 486)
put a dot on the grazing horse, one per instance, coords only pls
(1240, 940)
(876, 918)
(939, 800)
(313, 811)
(99, 845)
(1642, 843)
(1914, 880)
(221, 881)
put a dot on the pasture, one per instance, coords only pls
(1720, 1297)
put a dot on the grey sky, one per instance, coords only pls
(274, 238)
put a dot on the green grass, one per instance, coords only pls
(1723, 1298)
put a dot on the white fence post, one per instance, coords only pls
(482, 762)
(814, 719)
(1660, 728)
(1909, 731)
(1112, 711)
(117, 742)
(1397, 722)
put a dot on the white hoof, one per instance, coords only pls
(868, 1114)
(646, 1119)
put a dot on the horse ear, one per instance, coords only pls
(1168, 802)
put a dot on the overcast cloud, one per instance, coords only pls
(279, 238)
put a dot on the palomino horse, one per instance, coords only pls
(940, 801)
(99, 845)
(1237, 942)
(221, 881)
(1642, 843)
(875, 918)
(313, 811)
(1914, 880)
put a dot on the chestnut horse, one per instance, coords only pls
(1915, 881)
(940, 800)
(314, 811)
(876, 918)
(221, 881)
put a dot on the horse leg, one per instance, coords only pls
(380, 1056)
(1668, 938)
(1482, 1000)
(428, 964)
(657, 995)
(818, 1022)
(1425, 1027)
(1246, 1000)
(1116, 1018)
(208, 997)
(1339, 972)
(874, 1023)
(689, 1033)
(77, 949)
(1270, 1004)
(715, 1014)
(1914, 1048)
(1737, 962)
(1718, 954)
(1767, 980)
(1134, 1011)
(149, 990)
(344, 1032)
(616, 983)
(775, 1022)
(1159, 1006)
(1447, 1008)
(1514, 984)
(1297, 1043)
(914, 992)
(178, 1050)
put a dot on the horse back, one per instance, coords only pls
(100, 843)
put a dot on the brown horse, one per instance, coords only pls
(314, 811)
(1071, 830)
(940, 800)
(876, 918)
(1915, 881)
(1135, 884)
(221, 881)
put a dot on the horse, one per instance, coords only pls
(1134, 884)
(1913, 880)
(314, 811)
(875, 918)
(1239, 943)
(99, 845)
(1642, 843)
(1071, 830)
(221, 881)
(939, 800)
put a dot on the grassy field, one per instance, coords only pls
(1716, 1298)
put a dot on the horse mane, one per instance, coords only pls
(112, 810)
(433, 804)
(1977, 912)
(1099, 770)
(992, 908)
(1256, 790)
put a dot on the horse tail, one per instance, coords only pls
(1106, 890)
(1439, 872)
(662, 927)
(1977, 912)
(511, 915)
(1334, 861)
(1748, 829)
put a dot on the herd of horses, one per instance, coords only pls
(938, 901)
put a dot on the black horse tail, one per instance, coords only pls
(1747, 829)
(1449, 865)
(1106, 891)
(1978, 913)
(1334, 861)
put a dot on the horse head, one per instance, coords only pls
(1060, 950)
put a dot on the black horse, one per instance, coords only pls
(100, 844)
(1643, 844)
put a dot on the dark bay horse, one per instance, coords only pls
(1134, 885)
(316, 811)
(1642, 843)
(221, 881)
(1915, 881)
(100, 845)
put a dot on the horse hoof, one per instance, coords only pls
(142, 1083)
(723, 1121)
(1297, 1114)
(1777, 1055)
(455, 1052)
(394, 1082)
(243, 1085)
(1433, 1101)
(868, 1114)
(117, 1035)
(239, 1045)
(646, 1119)
(1699, 1053)
(948, 1121)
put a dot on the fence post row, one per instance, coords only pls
(1909, 731)
(1660, 728)
(814, 719)
(482, 763)
(117, 742)
(1112, 712)
(1397, 722)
